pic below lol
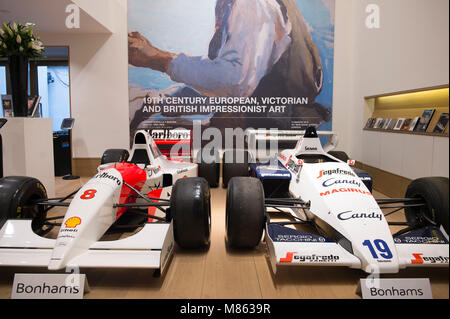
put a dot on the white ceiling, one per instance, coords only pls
(48, 15)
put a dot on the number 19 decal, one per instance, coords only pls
(89, 194)
(380, 246)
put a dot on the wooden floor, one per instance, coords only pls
(225, 274)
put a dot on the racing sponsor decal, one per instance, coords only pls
(108, 176)
(352, 215)
(183, 170)
(345, 190)
(419, 259)
(295, 257)
(309, 148)
(294, 167)
(351, 162)
(73, 222)
(429, 235)
(336, 171)
(280, 233)
(171, 134)
(333, 181)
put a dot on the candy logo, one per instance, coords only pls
(73, 222)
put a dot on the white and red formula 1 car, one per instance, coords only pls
(162, 199)
(337, 220)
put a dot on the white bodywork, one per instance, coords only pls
(91, 213)
(340, 203)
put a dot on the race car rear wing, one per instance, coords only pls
(264, 144)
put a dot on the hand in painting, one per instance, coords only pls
(141, 53)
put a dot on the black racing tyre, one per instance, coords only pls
(434, 190)
(235, 163)
(115, 156)
(244, 212)
(190, 207)
(209, 168)
(17, 195)
(340, 155)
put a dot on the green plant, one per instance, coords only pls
(18, 39)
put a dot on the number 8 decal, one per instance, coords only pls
(381, 246)
(89, 194)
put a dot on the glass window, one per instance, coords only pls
(2, 85)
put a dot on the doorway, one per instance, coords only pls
(49, 81)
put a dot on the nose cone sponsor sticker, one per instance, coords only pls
(73, 222)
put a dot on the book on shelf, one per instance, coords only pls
(7, 105)
(399, 124)
(369, 123)
(406, 124)
(386, 124)
(424, 121)
(391, 124)
(414, 123)
(441, 125)
(378, 123)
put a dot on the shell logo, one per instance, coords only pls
(73, 222)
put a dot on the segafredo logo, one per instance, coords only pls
(352, 215)
(294, 257)
(108, 176)
(420, 259)
(336, 171)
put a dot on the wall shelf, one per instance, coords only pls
(409, 105)
(408, 132)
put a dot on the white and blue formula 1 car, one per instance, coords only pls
(162, 199)
(337, 221)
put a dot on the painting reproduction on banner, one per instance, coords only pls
(230, 63)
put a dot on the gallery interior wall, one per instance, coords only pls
(408, 51)
(99, 80)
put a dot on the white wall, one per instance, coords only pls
(410, 50)
(99, 83)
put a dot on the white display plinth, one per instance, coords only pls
(28, 150)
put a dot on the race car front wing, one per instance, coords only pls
(427, 247)
(150, 248)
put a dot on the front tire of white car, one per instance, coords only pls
(245, 212)
(17, 197)
(435, 192)
(190, 207)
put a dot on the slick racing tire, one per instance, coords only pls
(114, 156)
(435, 192)
(340, 155)
(209, 168)
(244, 212)
(235, 163)
(17, 195)
(190, 207)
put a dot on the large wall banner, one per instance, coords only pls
(230, 63)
